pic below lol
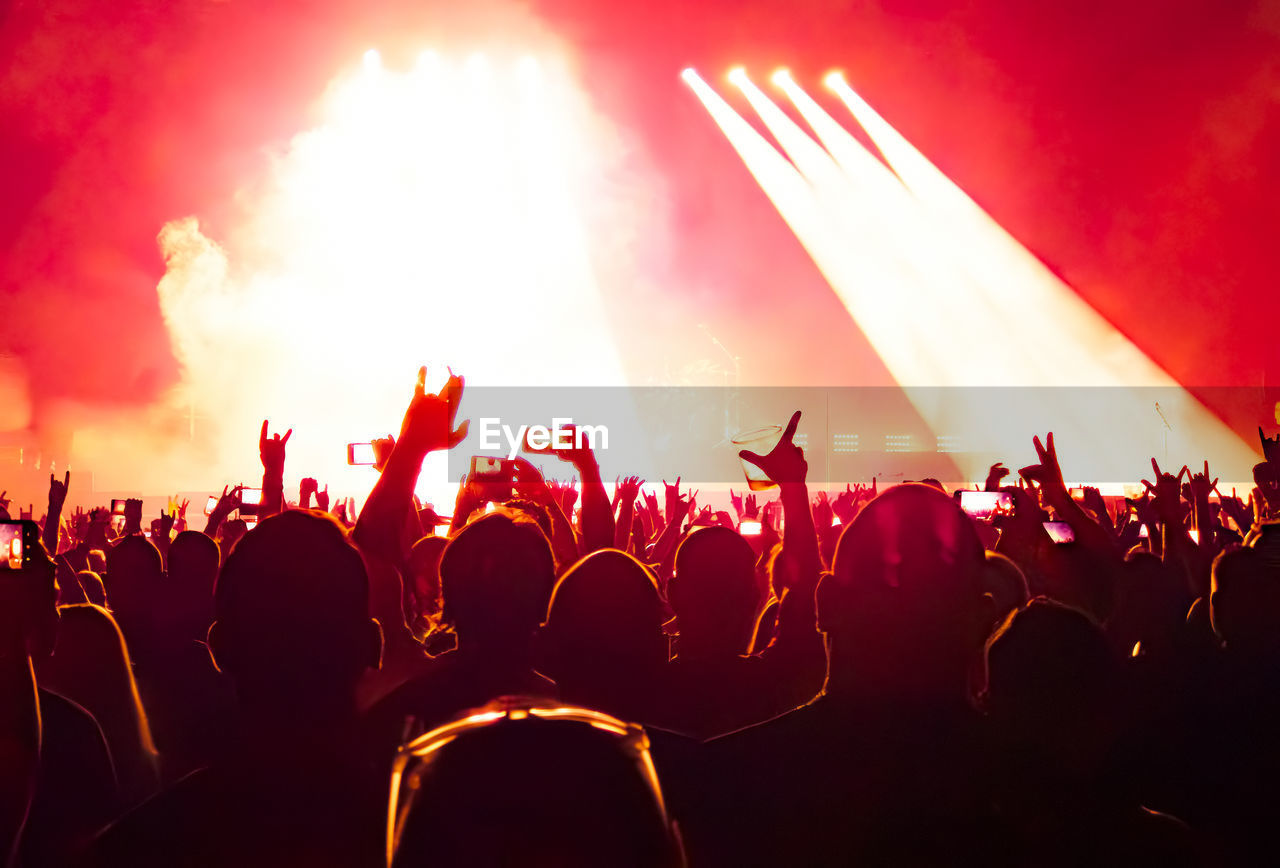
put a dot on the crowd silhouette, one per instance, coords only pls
(566, 678)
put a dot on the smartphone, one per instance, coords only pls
(750, 527)
(1060, 532)
(211, 504)
(494, 474)
(1077, 493)
(1195, 535)
(1144, 532)
(981, 505)
(117, 507)
(18, 541)
(360, 454)
(250, 499)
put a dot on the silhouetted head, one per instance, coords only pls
(135, 579)
(714, 592)
(1004, 582)
(904, 608)
(292, 621)
(94, 591)
(1051, 682)
(1151, 605)
(193, 569)
(519, 784)
(605, 620)
(230, 532)
(496, 576)
(1244, 603)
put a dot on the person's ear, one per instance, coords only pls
(373, 644)
(213, 640)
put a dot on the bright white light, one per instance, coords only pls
(833, 79)
(412, 226)
(922, 270)
(527, 68)
(738, 75)
(372, 60)
(781, 76)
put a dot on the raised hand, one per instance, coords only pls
(823, 513)
(1048, 472)
(58, 492)
(229, 501)
(271, 450)
(322, 499)
(651, 504)
(429, 421)
(1270, 447)
(1167, 490)
(670, 496)
(735, 500)
(995, 474)
(785, 463)
(630, 488)
(382, 447)
(53, 519)
(845, 505)
(568, 497)
(1238, 512)
(1201, 486)
(1093, 502)
(165, 524)
(306, 490)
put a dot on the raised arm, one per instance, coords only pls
(627, 491)
(785, 464)
(53, 519)
(428, 426)
(569, 445)
(271, 451)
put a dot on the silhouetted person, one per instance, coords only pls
(603, 642)
(90, 665)
(188, 703)
(496, 577)
(63, 763)
(716, 686)
(1055, 700)
(292, 632)
(888, 766)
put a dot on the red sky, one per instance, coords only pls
(1131, 145)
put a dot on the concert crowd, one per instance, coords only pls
(573, 674)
